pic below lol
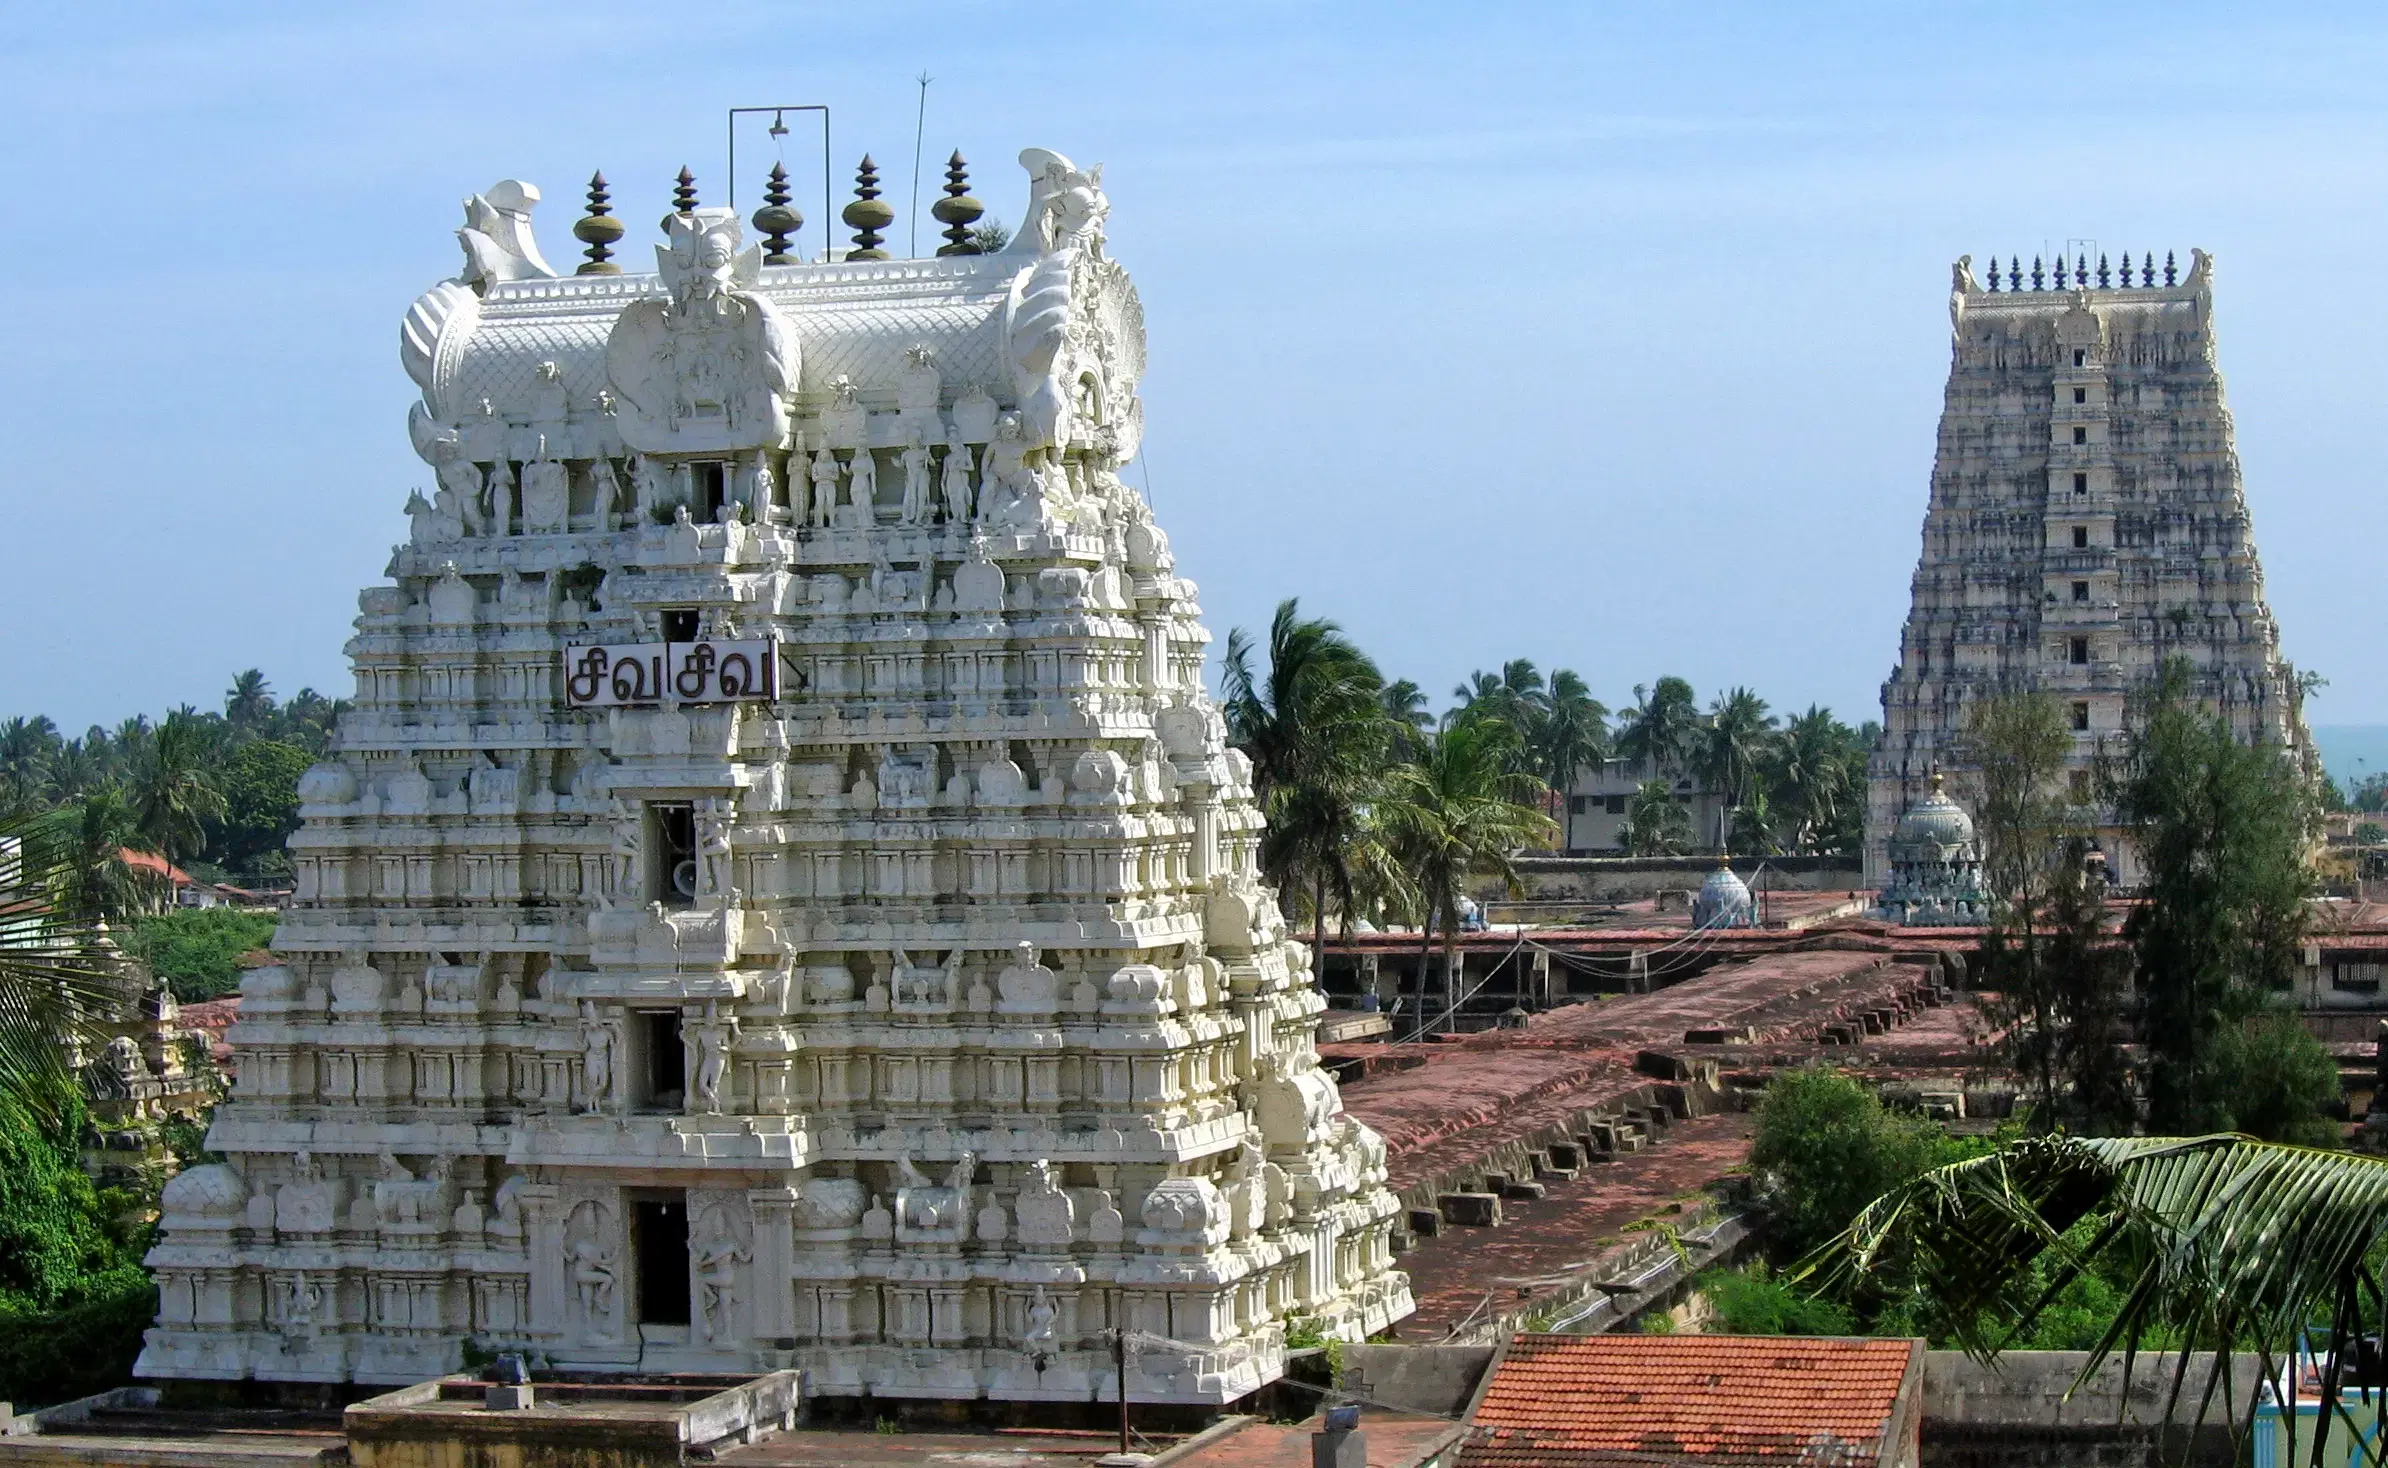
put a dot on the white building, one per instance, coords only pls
(782, 896)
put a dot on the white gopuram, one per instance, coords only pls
(782, 897)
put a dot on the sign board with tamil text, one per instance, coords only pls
(618, 674)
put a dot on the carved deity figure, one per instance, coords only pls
(862, 486)
(707, 367)
(717, 1264)
(592, 1270)
(1026, 984)
(460, 479)
(1043, 1321)
(546, 494)
(713, 818)
(712, 1038)
(762, 487)
(1045, 1212)
(627, 843)
(919, 504)
(609, 494)
(596, 1058)
(304, 1305)
(501, 497)
(955, 479)
(824, 474)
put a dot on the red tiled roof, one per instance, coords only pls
(1558, 1400)
(156, 865)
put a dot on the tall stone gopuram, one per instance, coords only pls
(783, 897)
(2087, 523)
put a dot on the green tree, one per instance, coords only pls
(26, 747)
(198, 950)
(1573, 733)
(1806, 776)
(249, 702)
(1461, 810)
(1405, 706)
(1826, 1147)
(260, 788)
(2220, 830)
(1656, 824)
(1659, 732)
(1729, 752)
(94, 879)
(2015, 747)
(1314, 727)
(174, 795)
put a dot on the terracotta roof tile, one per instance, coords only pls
(1563, 1401)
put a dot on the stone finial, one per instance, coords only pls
(777, 220)
(2102, 273)
(2081, 271)
(1993, 274)
(2169, 276)
(2060, 272)
(599, 230)
(866, 216)
(957, 211)
(2014, 272)
(684, 199)
(2147, 268)
(2039, 281)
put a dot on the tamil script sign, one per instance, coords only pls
(680, 672)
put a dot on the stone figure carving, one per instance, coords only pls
(955, 478)
(713, 820)
(919, 506)
(845, 422)
(1043, 1321)
(628, 841)
(710, 365)
(918, 387)
(496, 236)
(717, 1264)
(596, 1059)
(712, 1038)
(974, 414)
(824, 475)
(460, 479)
(502, 484)
(862, 488)
(592, 1268)
(647, 481)
(1026, 985)
(1009, 495)
(546, 494)
(611, 498)
(926, 1207)
(1045, 1213)
(302, 1305)
(1066, 210)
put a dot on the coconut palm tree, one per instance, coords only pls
(174, 795)
(2230, 1244)
(97, 881)
(1313, 725)
(1574, 731)
(53, 973)
(1728, 753)
(1405, 705)
(26, 748)
(249, 701)
(1461, 810)
(1808, 773)
(1659, 731)
(1656, 824)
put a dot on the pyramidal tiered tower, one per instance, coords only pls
(2086, 524)
(783, 897)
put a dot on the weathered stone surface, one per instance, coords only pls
(2086, 522)
(782, 897)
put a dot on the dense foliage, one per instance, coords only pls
(197, 951)
(214, 793)
(73, 1297)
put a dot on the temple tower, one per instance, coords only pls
(783, 896)
(2086, 524)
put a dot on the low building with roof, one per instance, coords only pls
(1562, 1401)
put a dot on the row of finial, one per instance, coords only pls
(2107, 280)
(778, 219)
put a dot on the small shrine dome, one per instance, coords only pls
(1934, 824)
(1723, 900)
(1935, 866)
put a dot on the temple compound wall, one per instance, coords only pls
(2086, 524)
(783, 897)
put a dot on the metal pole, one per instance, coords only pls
(1119, 1358)
(826, 220)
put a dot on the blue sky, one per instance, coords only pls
(1611, 337)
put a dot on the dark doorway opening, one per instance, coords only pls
(679, 624)
(667, 1061)
(659, 1243)
(674, 867)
